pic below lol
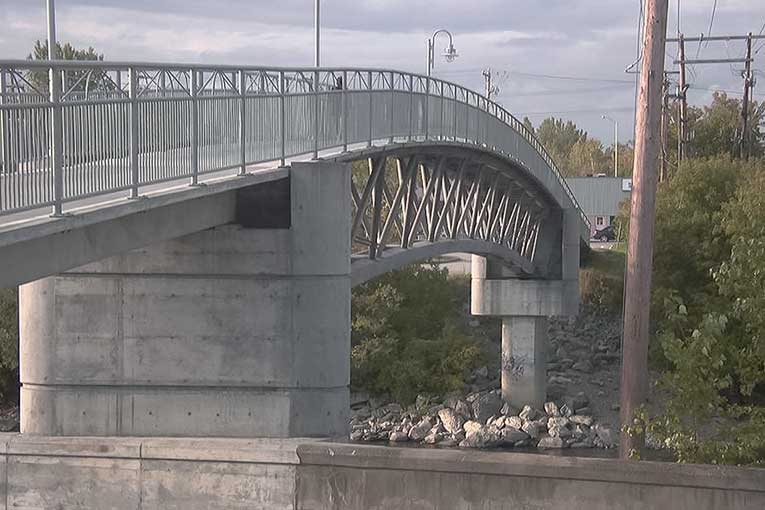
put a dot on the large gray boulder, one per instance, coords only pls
(451, 420)
(486, 405)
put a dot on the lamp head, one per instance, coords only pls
(450, 53)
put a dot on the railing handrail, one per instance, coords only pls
(483, 103)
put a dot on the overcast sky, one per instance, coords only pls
(592, 40)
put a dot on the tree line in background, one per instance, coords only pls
(714, 130)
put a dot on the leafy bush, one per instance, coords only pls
(601, 281)
(710, 296)
(9, 346)
(405, 340)
(689, 239)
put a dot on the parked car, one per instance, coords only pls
(605, 234)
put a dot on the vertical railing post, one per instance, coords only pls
(56, 152)
(442, 135)
(242, 121)
(133, 158)
(5, 159)
(345, 110)
(371, 108)
(466, 95)
(316, 115)
(194, 128)
(392, 103)
(427, 108)
(283, 123)
(454, 108)
(411, 106)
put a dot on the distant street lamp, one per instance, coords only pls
(616, 143)
(450, 53)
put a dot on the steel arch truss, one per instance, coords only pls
(405, 201)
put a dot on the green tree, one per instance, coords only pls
(588, 157)
(9, 345)
(527, 123)
(74, 78)
(716, 128)
(710, 271)
(403, 336)
(559, 137)
(689, 240)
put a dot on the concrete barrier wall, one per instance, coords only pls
(351, 477)
(298, 474)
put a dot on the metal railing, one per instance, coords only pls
(76, 129)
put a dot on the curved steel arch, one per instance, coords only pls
(413, 201)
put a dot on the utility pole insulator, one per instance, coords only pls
(491, 90)
(748, 84)
(682, 104)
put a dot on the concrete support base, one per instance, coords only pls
(230, 332)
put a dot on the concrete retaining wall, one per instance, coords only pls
(298, 474)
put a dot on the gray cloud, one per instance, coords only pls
(518, 38)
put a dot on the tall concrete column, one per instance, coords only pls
(229, 332)
(524, 360)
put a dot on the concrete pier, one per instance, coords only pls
(235, 331)
(524, 307)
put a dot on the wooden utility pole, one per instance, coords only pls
(682, 104)
(747, 74)
(682, 109)
(664, 128)
(634, 381)
(491, 90)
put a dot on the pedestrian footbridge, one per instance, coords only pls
(187, 236)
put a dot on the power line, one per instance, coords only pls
(569, 78)
(714, 89)
(763, 44)
(709, 32)
(556, 92)
(598, 111)
(521, 74)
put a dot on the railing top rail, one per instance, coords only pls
(488, 105)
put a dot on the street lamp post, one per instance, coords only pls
(51, 7)
(317, 24)
(450, 53)
(616, 143)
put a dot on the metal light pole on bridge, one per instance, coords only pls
(56, 150)
(317, 25)
(616, 143)
(450, 53)
(52, 49)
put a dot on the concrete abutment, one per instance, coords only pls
(228, 332)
